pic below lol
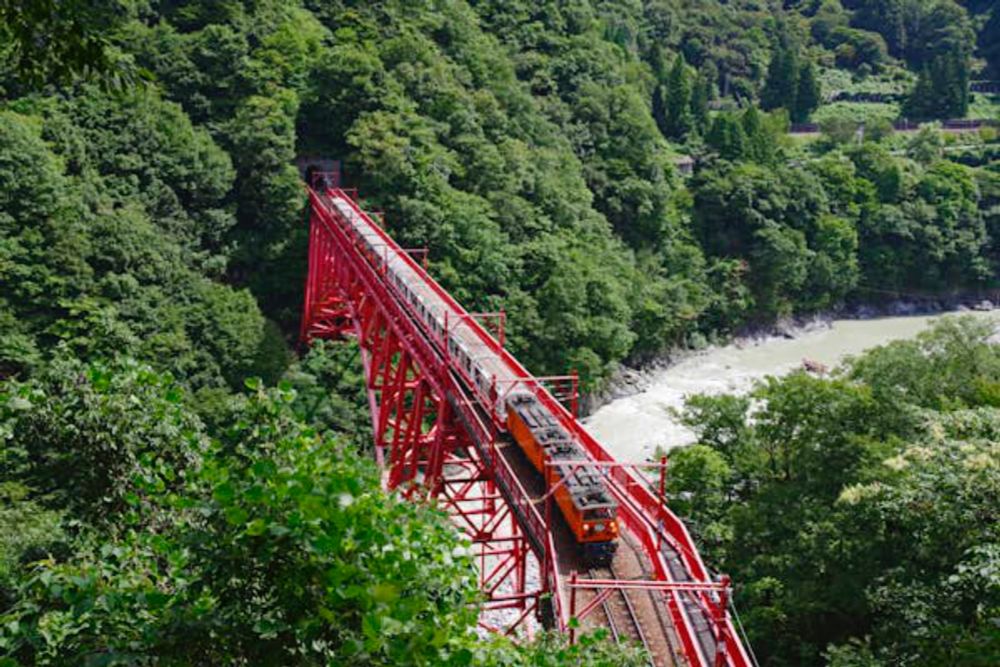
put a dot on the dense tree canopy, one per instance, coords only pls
(152, 251)
(859, 511)
(267, 544)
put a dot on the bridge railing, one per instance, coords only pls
(641, 509)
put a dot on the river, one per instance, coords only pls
(632, 427)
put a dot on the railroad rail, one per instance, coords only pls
(631, 629)
(438, 437)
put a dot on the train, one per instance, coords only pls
(583, 498)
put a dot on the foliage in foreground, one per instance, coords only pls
(263, 543)
(859, 513)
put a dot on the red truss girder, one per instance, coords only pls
(436, 440)
(416, 436)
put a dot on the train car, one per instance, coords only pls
(592, 515)
(583, 498)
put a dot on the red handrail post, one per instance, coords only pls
(663, 497)
(663, 480)
(720, 623)
(574, 400)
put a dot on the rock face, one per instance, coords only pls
(925, 306)
(785, 328)
(985, 304)
(624, 382)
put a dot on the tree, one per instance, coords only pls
(659, 110)
(857, 49)
(989, 42)
(761, 137)
(777, 221)
(700, 93)
(261, 138)
(941, 46)
(680, 120)
(781, 85)
(727, 136)
(921, 102)
(265, 558)
(48, 41)
(941, 91)
(938, 28)
(828, 17)
(857, 509)
(266, 542)
(807, 96)
(80, 435)
(886, 17)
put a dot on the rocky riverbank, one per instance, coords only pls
(627, 380)
(643, 417)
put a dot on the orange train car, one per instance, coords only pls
(583, 498)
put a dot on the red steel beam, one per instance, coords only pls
(411, 379)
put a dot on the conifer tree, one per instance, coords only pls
(759, 146)
(807, 94)
(679, 119)
(919, 103)
(660, 110)
(699, 102)
(727, 137)
(961, 85)
(782, 80)
(989, 42)
(942, 89)
(658, 62)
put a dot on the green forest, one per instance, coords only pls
(181, 484)
(859, 512)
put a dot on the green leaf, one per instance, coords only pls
(256, 527)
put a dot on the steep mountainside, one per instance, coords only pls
(152, 255)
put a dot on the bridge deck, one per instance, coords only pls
(655, 546)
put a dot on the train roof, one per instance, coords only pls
(586, 488)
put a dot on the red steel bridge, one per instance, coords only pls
(439, 439)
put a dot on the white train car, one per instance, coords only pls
(449, 328)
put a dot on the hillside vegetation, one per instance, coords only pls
(153, 245)
(859, 512)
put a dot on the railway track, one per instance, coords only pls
(620, 612)
(636, 616)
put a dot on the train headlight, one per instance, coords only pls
(587, 527)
